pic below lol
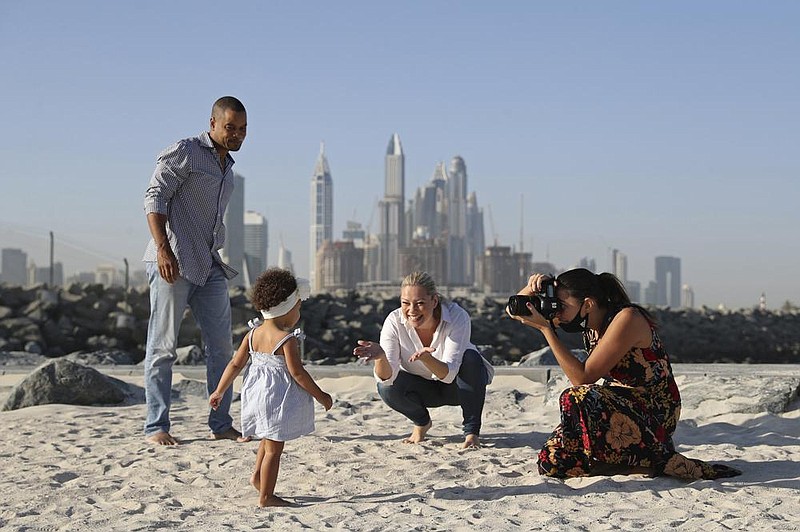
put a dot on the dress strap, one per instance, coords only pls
(250, 338)
(297, 333)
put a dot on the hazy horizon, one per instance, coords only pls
(653, 128)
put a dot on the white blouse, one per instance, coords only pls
(451, 339)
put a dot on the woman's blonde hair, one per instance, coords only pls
(422, 279)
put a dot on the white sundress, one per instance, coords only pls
(274, 406)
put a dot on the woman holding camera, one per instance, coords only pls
(425, 359)
(628, 420)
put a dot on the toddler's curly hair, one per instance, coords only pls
(272, 286)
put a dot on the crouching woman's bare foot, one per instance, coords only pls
(419, 432)
(161, 438)
(472, 441)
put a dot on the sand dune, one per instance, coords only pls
(81, 468)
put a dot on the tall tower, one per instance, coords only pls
(619, 265)
(321, 213)
(233, 250)
(668, 281)
(392, 214)
(457, 222)
(256, 239)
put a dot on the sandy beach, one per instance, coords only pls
(89, 468)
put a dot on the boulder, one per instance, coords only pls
(190, 355)
(63, 381)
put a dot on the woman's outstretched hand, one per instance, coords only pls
(367, 350)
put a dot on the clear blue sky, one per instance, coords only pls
(658, 128)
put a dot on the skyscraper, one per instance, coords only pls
(321, 213)
(457, 222)
(668, 281)
(392, 214)
(233, 251)
(619, 265)
(285, 258)
(14, 267)
(256, 241)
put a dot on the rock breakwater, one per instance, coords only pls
(110, 324)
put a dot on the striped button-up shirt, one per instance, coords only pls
(191, 188)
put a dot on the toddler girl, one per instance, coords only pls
(277, 392)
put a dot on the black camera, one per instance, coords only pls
(545, 302)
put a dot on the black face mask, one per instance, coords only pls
(576, 324)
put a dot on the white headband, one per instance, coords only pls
(282, 308)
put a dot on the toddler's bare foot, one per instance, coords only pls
(230, 434)
(273, 500)
(472, 441)
(418, 434)
(161, 438)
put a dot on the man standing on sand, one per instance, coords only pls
(185, 203)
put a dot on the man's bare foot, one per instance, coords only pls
(418, 434)
(273, 500)
(161, 438)
(472, 441)
(230, 434)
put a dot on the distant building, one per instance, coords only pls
(634, 290)
(587, 263)
(340, 265)
(687, 296)
(256, 241)
(425, 255)
(83, 278)
(321, 213)
(108, 275)
(14, 267)
(233, 250)
(619, 265)
(285, 258)
(392, 213)
(503, 272)
(41, 275)
(651, 294)
(668, 282)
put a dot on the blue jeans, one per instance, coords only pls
(412, 395)
(211, 308)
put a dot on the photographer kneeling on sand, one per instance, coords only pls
(626, 423)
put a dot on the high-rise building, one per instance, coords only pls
(321, 213)
(14, 267)
(668, 282)
(256, 241)
(340, 265)
(476, 240)
(687, 296)
(392, 212)
(457, 222)
(285, 258)
(502, 271)
(619, 265)
(634, 290)
(425, 255)
(233, 250)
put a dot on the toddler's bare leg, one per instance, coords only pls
(255, 479)
(270, 464)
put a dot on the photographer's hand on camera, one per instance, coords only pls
(536, 284)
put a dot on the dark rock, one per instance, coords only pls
(103, 357)
(63, 381)
(190, 355)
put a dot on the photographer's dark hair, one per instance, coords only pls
(604, 288)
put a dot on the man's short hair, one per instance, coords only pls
(227, 103)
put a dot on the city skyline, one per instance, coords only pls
(658, 129)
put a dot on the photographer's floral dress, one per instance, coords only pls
(628, 420)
